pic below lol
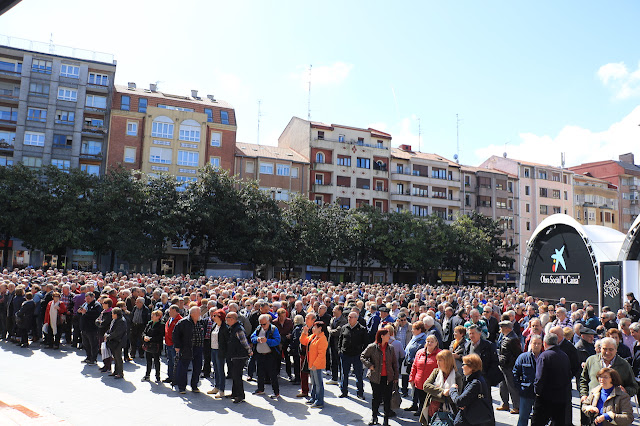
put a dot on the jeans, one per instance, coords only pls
(526, 406)
(251, 368)
(183, 366)
(347, 362)
(171, 357)
(317, 387)
(218, 369)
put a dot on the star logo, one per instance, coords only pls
(558, 259)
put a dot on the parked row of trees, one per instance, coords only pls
(222, 219)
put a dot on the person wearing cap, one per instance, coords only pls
(373, 322)
(385, 316)
(508, 351)
(585, 346)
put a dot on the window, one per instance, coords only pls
(69, 71)
(420, 191)
(566, 195)
(65, 117)
(189, 131)
(380, 144)
(98, 79)
(215, 161)
(360, 141)
(34, 138)
(250, 167)
(67, 94)
(216, 139)
(363, 163)
(555, 177)
(543, 192)
(94, 101)
(91, 148)
(542, 174)
(7, 138)
(162, 127)
(438, 173)
(484, 182)
(209, 113)
(528, 226)
(41, 65)
(419, 170)
(400, 188)
(37, 114)
(527, 172)
(319, 157)
(132, 128)
(188, 158)
(510, 186)
(320, 135)
(93, 122)
(344, 181)
(467, 200)
(556, 194)
(6, 161)
(224, 117)
(125, 103)
(8, 113)
(12, 67)
(35, 162)
(421, 211)
(544, 209)
(527, 207)
(340, 138)
(556, 210)
(129, 154)
(484, 201)
(266, 168)
(62, 141)
(294, 172)
(379, 204)
(63, 165)
(160, 155)
(283, 170)
(527, 190)
(360, 183)
(184, 181)
(344, 161)
(399, 208)
(92, 169)
(501, 203)
(500, 184)
(380, 165)
(379, 185)
(39, 89)
(175, 108)
(439, 193)
(319, 199)
(319, 179)
(281, 195)
(344, 202)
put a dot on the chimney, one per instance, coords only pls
(405, 148)
(153, 87)
(194, 94)
(131, 85)
(627, 158)
(211, 98)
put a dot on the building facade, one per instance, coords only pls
(596, 201)
(625, 175)
(157, 132)
(424, 184)
(349, 165)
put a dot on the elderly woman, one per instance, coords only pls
(474, 400)
(103, 322)
(219, 340)
(416, 343)
(317, 346)
(457, 346)
(380, 359)
(152, 337)
(608, 403)
(53, 317)
(441, 379)
(423, 366)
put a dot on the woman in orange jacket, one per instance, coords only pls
(317, 345)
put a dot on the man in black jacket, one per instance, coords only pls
(115, 338)
(140, 316)
(450, 322)
(492, 323)
(552, 385)
(585, 346)
(487, 352)
(238, 351)
(352, 340)
(188, 338)
(90, 311)
(508, 352)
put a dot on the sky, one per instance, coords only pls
(532, 79)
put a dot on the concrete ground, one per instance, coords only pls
(45, 386)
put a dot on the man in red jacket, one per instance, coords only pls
(174, 317)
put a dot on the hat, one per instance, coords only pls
(383, 308)
(587, 330)
(505, 323)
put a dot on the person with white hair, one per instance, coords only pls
(266, 339)
(188, 340)
(429, 325)
(607, 357)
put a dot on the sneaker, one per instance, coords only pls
(333, 382)
(213, 391)
(238, 400)
(361, 396)
(342, 395)
(274, 396)
(250, 379)
(310, 402)
(118, 376)
(258, 392)
(145, 379)
(85, 361)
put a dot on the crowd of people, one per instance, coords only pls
(442, 348)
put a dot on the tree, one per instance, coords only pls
(396, 236)
(300, 219)
(469, 246)
(497, 257)
(330, 236)
(363, 226)
(428, 249)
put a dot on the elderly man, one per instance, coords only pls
(352, 340)
(188, 339)
(266, 339)
(535, 327)
(585, 346)
(606, 358)
(508, 352)
(562, 320)
(487, 352)
(474, 318)
(140, 316)
(238, 351)
(90, 311)
(492, 323)
(335, 326)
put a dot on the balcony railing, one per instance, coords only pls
(94, 129)
(351, 142)
(9, 116)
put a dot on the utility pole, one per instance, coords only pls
(309, 96)
(259, 115)
(419, 136)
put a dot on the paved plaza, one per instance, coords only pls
(54, 387)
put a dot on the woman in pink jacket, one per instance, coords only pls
(423, 365)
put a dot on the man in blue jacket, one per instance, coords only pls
(266, 339)
(524, 376)
(552, 385)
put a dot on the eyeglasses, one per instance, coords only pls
(403, 319)
(264, 323)
(463, 364)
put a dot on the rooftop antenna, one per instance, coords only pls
(52, 48)
(457, 156)
(562, 159)
(309, 96)
(504, 154)
(419, 136)
(259, 115)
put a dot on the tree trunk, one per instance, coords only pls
(112, 261)
(5, 251)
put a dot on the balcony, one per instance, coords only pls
(325, 167)
(8, 117)
(6, 146)
(94, 130)
(380, 193)
(401, 175)
(91, 154)
(97, 88)
(96, 109)
(8, 69)
(322, 187)
(10, 95)
(401, 196)
(330, 141)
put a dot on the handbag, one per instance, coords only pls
(396, 399)
(441, 418)
(151, 347)
(105, 351)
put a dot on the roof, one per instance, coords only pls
(268, 151)
(373, 132)
(473, 169)
(580, 176)
(628, 166)
(410, 155)
(170, 97)
(532, 164)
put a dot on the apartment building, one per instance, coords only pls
(596, 201)
(157, 132)
(625, 175)
(542, 190)
(281, 172)
(424, 184)
(494, 193)
(54, 103)
(349, 165)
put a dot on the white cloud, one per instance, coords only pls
(580, 145)
(323, 75)
(617, 77)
